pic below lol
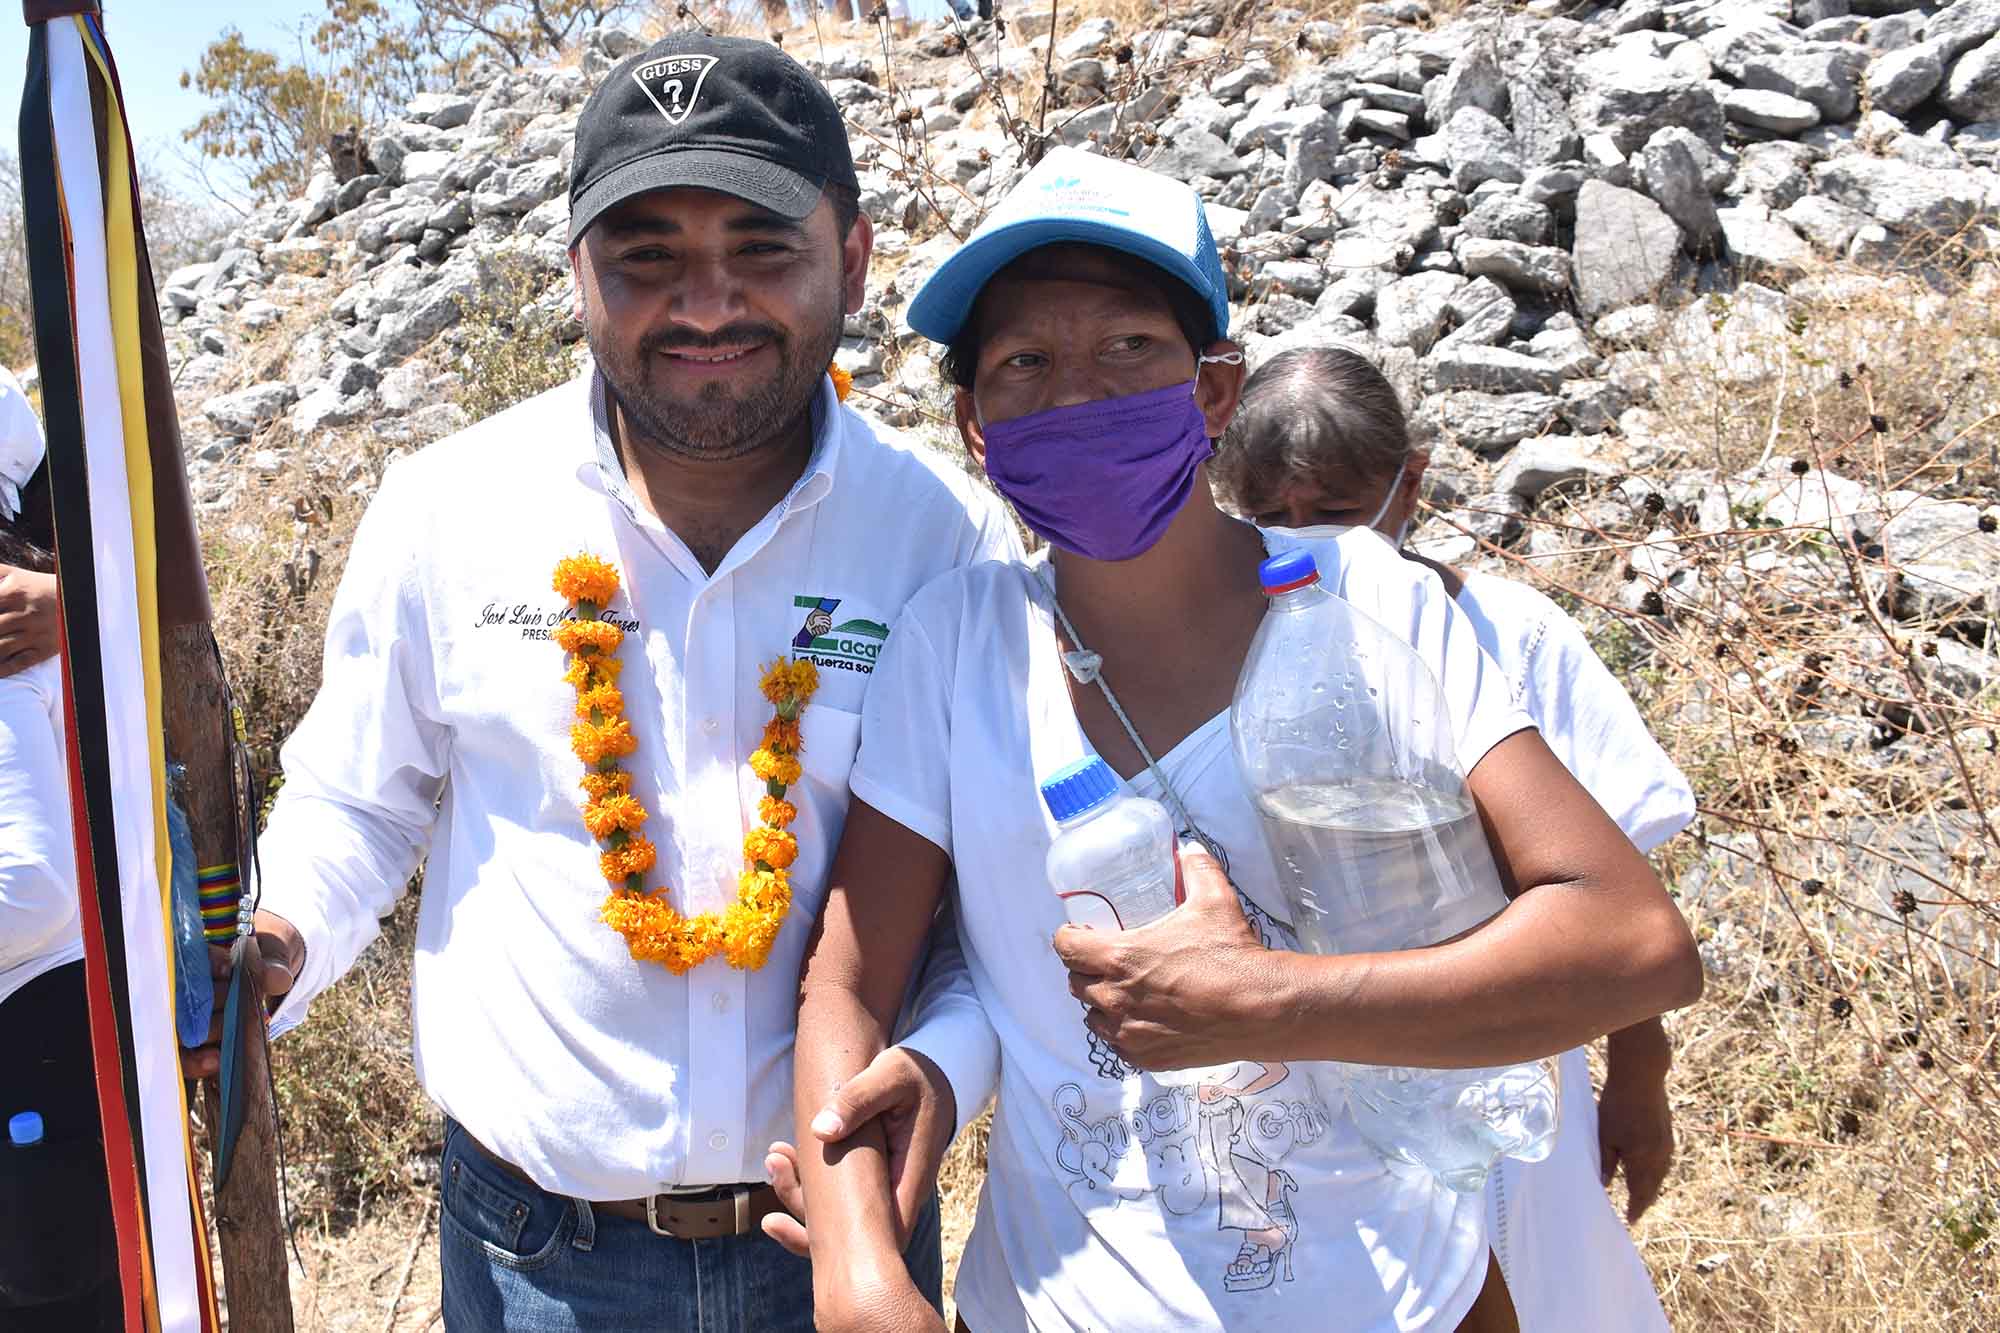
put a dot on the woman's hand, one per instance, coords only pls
(1635, 1126)
(890, 1305)
(1194, 988)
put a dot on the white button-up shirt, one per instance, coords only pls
(441, 730)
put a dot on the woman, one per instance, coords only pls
(1320, 445)
(1085, 325)
(55, 1205)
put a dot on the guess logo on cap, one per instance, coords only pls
(673, 83)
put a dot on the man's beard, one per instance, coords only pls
(714, 424)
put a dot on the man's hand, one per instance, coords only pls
(273, 964)
(918, 1110)
(1193, 988)
(30, 618)
(891, 1304)
(1635, 1126)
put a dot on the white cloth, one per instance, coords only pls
(21, 444)
(442, 728)
(39, 924)
(1117, 1200)
(1567, 1258)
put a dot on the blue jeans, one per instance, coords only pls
(519, 1259)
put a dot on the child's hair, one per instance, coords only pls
(26, 539)
(1320, 412)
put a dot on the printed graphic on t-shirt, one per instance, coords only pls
(837, 643)
(532, 620)
(1210, 1144)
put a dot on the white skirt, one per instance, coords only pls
(1568, 1260)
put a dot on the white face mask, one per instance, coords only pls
(1314, 532)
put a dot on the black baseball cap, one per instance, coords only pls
(721, 113)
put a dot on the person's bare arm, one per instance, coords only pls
(884, 889)
(1590, 944)
(30, 617)
(1635, 1122)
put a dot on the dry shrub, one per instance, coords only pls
(1835, 1099)
(513, 338)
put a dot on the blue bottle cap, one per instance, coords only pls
(25, 1129)
(1082, 787)
(1288, 572)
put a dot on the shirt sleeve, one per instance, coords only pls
(1595, 729)
(994, 536)
(903, 767)
(364, 770)
(38, 894)
(948, 1024)
(1410, 602)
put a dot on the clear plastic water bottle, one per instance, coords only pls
(1345, 746)
(1112, 862)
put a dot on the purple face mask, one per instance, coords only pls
(1102, 479)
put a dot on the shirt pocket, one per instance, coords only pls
(829, 738)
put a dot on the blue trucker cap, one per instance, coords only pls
(1072, 195)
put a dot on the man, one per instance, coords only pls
(606, 1117)
(29, 612)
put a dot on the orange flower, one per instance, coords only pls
(805, 679)
(777, 682)
(605, 817)
(604, 699)
(575, 636)
(601, 785)
(585, 578)
(782, 769)
(782, 735)
(843, 383)
(776, 811)
(773, 847)
(595, 742)
(634, 857)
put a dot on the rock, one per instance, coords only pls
(1668, 172)
(1474, 80)
(1946, 535)
(1760, 243)
(1630, 96)
(258, 315)
(1310, 153)
(1506, 217)
(1295, 277)
(1828, 225)
(1742, 339)
(1565, 350)
(1971, 89)
(1902, 197)
(1487, 422)
(444, 111)
(1232, 87)
(1494, 516)
(1732, 46)
(1762, 109)
(1479, 149)
(354, 191)
(1542, 125)
(1625, 248)
(247, 411)
(1482, 311)
(304, 257)
(1827, 75)
(1630, 326)
(1541, 269)
(1538, 465)
(436, 309)
(325, 409)
(1491, 369)
(1411, 312)
(1092, 37)
(1389, 124)
(1898, 81)
(515, 190)
(1275, 128)
(1959, 27)
(1776, 174)
(428, 166)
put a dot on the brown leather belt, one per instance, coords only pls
(726, 1210)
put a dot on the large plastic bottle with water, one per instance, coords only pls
(1112, 862)
(1345, 746)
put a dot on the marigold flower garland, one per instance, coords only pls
(654, 931)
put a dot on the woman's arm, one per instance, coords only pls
(883, 892)
(1590, 944)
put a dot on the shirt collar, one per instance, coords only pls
(829, 427)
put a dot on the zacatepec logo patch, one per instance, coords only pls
(851, 645)
(673, 83)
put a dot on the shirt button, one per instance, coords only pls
(710, 725)
(721, 1004)
(718, 1140)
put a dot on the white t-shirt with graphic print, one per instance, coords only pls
(1115, 1200)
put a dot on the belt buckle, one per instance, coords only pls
(739, 1196)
